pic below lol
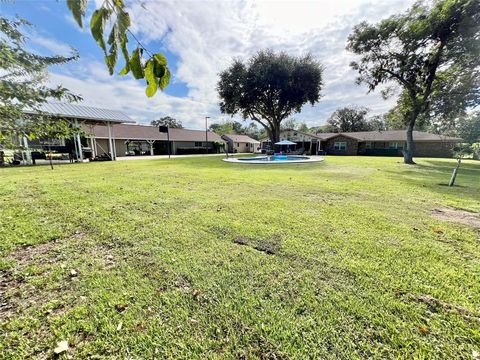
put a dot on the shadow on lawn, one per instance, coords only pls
(435, 175)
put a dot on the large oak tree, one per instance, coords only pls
(269, 88)
(427, 51)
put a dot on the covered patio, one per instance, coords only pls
(84, 118)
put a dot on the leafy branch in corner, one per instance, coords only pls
(154, 69)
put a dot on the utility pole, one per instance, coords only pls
(206, 133)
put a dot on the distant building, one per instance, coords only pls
(241, 143)
(382, 143)
(147, 140)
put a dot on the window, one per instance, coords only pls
(368, 144)
(238, 144)
(198, 144)
(340, 145)
(395, 145)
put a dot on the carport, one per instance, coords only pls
(86, 118)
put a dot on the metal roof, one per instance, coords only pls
(82, 112)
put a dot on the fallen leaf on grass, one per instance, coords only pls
(121, 307)
(423, 330)
(437, 230)
(62, 346)
(119, 326)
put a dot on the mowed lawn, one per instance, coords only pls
(195, 258)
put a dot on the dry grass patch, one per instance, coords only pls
(458, 216)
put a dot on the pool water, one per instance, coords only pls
(276, 158)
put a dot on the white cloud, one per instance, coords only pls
(206, 35)
(53, 46)
(126, 94)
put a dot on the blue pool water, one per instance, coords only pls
(276, 158)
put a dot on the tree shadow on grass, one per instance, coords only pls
(434, 175)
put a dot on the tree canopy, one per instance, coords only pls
(22, 87)
(469, 128)
(113, 12)
(422, 51)
(167, 121)
(269, 88)
(235, 127)
(349, 119)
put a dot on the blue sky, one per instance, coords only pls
(200, 38)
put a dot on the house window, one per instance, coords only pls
(340, 145)
(198, 144)
(395, 145)
(368, 144)
(238, 144)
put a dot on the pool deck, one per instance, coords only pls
(311, 159)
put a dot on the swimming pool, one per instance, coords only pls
(276, 159)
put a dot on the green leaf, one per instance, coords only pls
(165, 79)
(160, 59)
(123, 22)
(151, 79)
(111, 59)
(136, 64)
(125, 70)
(97, 26)
(78, 8)
(160, 65)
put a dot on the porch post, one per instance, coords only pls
(28, 154)
(114, 146)
(150, 142)
(75, 145)
(110, 145)
(93, 145)
(79, 143)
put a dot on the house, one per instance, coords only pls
(241, 143)
(383, 143)
(147, 140)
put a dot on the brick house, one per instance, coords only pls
(381, 143)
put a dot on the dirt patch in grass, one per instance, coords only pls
(41, 253)
(458, 216)
(269, 246)
(436, 305)
(15, 290)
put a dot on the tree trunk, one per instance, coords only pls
(408, 152)
(454, 173)
(274, 134)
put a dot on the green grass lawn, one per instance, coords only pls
(196, 258)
